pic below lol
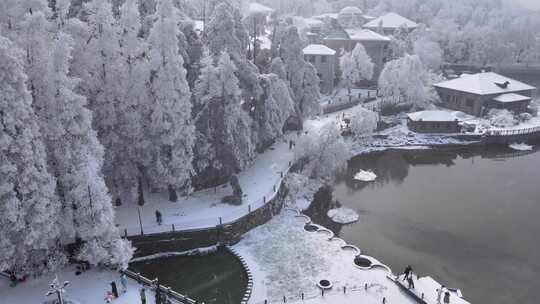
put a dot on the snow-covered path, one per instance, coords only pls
(286, 260)
(87, 288)
(204, 208)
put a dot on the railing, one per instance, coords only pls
(166, 290)
(512, 132)
(229, 218)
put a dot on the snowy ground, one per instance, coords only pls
(342, 95)
(87, 288)
(203, 209)
(287, 261)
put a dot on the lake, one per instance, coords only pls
(470, 217)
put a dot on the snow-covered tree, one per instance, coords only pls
(403, 81)
(29, 209)
(225, 32)
(274, 108)
(356, 66)
(363, 122)
(301, 75)
(224, 141)
(171, 129)
(430, 53)
(323, 152)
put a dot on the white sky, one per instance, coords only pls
(532, 4)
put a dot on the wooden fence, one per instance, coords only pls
(179, 298)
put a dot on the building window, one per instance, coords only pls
(470, 103)
(323, 59)
(312, 59)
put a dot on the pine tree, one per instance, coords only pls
(74, 152)
(29, 208)
(170, 126)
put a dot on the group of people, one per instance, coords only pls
(113, 293)
(443, 294)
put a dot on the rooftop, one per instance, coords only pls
(391, 20)
(485, 84)
(351, 10)
(257, 8)
(511, 97)
(318, 49)
(437, 116)
(366, 35)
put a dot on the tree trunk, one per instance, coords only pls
(173, 197)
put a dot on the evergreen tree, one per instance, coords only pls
(29, 208)
(170, 126)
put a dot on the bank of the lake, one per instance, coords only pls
(467, 216)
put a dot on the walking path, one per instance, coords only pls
(88, 288)
(203, 209)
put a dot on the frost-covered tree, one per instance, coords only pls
(170, 128)
(323, 152)
(356, 66)
(74, 153)
(430, 53)
(363, 122)
(301, 75)
(224, 139)
(273, 109)
(502, 118)
(29, 208)
(225, 32)
(404, 81)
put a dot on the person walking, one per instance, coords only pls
(123, 282)
(411, 282)
(142, 293)
(407, 272)
(446, 297)
(114, 290)
(440, 292)
(159, 218)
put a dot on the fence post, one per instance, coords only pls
(322, 292)
(264, 199)
(274, 188)
(249, 208)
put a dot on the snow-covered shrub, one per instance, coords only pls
(523, 117)
(502, 118)
(363, 122)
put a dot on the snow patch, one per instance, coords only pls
(521, 147)
(365, 176)
(197, 251)
(343, 215)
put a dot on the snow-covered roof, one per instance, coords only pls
(391, 20)
(437, 115)
(327, 15)
(257, 8)
(511, 97)
(313, 22)
(353, 10)
(198, 26)
(365, 35)
(485, 84)
(318, 49)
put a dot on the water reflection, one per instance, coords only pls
(467, 216)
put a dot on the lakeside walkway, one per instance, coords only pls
(204, 209)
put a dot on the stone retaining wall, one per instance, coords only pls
(228, 234)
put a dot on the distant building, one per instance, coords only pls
(389, 23)
(351, 17)
(478, 93)
(324, 60)
(439, 121)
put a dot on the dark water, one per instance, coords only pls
(470, 219)
(215, 278)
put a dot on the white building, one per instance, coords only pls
(324, 60)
